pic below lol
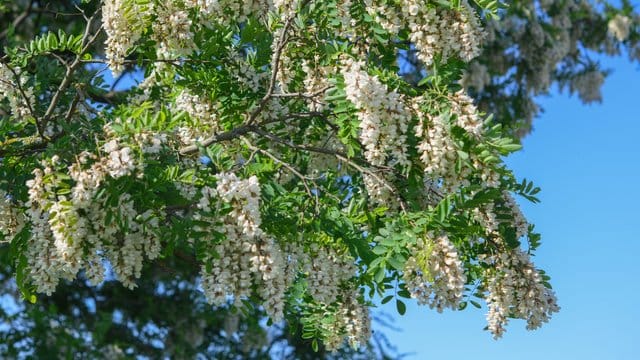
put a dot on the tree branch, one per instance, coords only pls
(87, 40)
(288, 167)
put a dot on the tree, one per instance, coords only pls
(275, 161)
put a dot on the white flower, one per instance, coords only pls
(619, 27)
(197, 107)
(119, 161)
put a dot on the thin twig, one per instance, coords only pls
(275, 60)
(312, 95)
(382, 181)
(235, 133)
(87, 40)
(291, 169)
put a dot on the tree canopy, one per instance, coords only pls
(247, 179)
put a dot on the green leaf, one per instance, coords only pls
(379, 274)
(379, 250)
(401, 307)
(397, 261)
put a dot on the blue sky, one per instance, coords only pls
(586, 159)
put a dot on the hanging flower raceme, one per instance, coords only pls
(13, 86)
(384, 120)
(434, 274)
(11, 217)
(121, 21)
(247, 256)
(516, 289)
(433, 30)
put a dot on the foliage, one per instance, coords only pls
(273, 162)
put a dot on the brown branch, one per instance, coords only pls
(25, 145)
(344, 158)
(237, 132)
(109, 97)
(288, 167)
(225, 136)
(87, 40)
(275, 60)
(296, 146)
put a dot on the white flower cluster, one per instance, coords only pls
(316, 79)
(201, 111)
(466, 113)
(274, 110)
(380, 191)
(70, 229)
(172, 30)
(476, 76)
(247, 256)
(326, 270)
(516, 289)
(230, 11)
(588, 85)
(434, 273)
(384, 120)
(19, 101)
(119, 160)
(433, 31)
(11, 217)
(545, 33)
(45, 264)
(151, 143)
(351, 322)
(619, 27)
(437, 150)
(124, 22)
(491, 216)
(357, 321)
(319, 163)
(127, 251)
(247, 75)
(119, 21)
(519, 222)
(244, 195)
(188, 135)
(198, 107)
(285, 7)
(268, 262)
(488, 219)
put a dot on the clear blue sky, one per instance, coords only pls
(586, 159)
